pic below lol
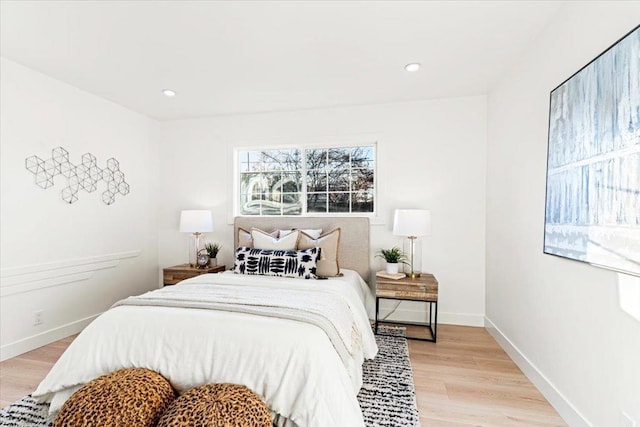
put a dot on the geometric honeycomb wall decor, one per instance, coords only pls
(84, 176)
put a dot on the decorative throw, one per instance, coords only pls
(128, 397)
(269, 262)
(217, 405)
(329, 311)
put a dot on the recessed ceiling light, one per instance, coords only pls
(414, 66)
(168, 92)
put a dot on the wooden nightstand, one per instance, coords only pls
(175, 274)
(423, 288)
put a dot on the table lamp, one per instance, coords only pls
(196, 222)
(412, 223)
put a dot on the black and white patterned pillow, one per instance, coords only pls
(272, 262)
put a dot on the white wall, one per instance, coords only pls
(431, 155)
(70, 261)
(560, 319)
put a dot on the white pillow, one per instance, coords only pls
(244, 237)
(261, 240)
(315, 233)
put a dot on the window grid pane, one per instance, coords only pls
(300, 181)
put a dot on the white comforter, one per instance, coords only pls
(291, 364)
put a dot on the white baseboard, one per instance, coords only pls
(419, 315)
(461, 319)
(17, 348)
(567, 411)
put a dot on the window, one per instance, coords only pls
(299, 181)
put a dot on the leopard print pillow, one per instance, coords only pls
(217, 405)
(128, 397)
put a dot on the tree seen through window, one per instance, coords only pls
(313, 180)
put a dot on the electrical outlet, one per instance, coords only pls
(626, 420)
(37, 317)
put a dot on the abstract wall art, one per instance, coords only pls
(592, 211)
(84, 176)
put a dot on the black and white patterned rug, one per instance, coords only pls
(387, 397)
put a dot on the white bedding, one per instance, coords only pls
(291, 364)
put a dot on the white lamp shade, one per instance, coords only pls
(412, 222)
(196, 221)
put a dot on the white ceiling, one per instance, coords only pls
(241, 57)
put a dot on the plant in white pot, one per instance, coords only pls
(394, 257)
(212, 249)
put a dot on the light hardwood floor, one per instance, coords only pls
(22, 374)
(465, 379)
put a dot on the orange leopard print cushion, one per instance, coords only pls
(128, 397)
(217, 405)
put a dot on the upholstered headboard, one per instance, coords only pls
(354, 235)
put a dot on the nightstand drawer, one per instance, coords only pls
(418, 287)
(407, 295)
(423, 288)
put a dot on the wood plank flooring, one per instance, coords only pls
(465, 379)
(22, 374)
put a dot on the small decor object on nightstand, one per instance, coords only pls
(394, 276)
(393, 257)
(203, 259)
(212, 250)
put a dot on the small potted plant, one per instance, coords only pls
(212, 249)
(393, 257)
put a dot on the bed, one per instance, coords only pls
(301, 348)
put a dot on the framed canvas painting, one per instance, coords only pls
(592, 211)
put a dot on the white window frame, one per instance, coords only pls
(303, 171)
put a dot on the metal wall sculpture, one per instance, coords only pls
(84, 176)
